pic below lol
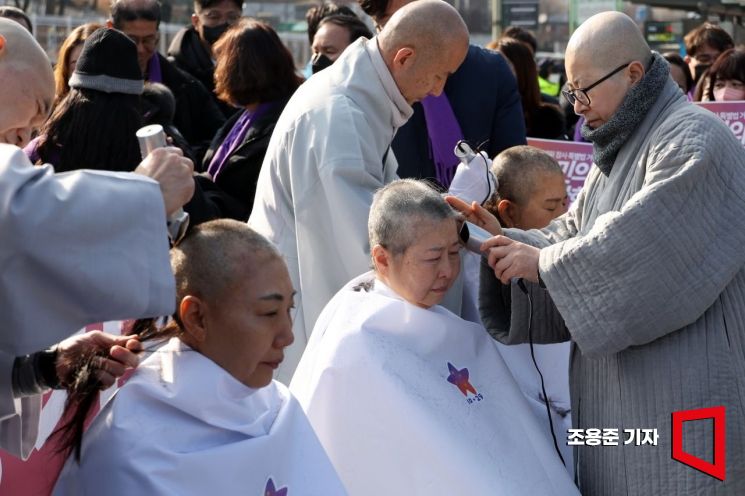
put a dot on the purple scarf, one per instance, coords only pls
(444, 133)
(234, 138)
(153, 70)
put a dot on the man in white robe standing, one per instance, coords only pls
(77, 248)
(645, 274)
(407, 397)
(331, 151)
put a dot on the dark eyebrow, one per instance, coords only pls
(276, 296)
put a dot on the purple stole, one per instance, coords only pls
(444, 133)
(234, 138)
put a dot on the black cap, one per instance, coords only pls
(108, 63)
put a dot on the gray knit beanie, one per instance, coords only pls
(108, 63)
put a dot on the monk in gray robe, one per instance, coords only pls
(645, 275)
(76, 248)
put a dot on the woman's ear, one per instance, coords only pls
(508, 213)
(191, 311)
(381, 260)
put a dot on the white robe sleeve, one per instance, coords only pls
(77, 248)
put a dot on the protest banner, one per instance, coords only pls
(575, 160)
(732, 113)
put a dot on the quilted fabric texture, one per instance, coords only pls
(647, 273)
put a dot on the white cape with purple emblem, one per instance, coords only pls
(183, 425)
(407, 400)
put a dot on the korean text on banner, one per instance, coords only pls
(575, 160)
(732, 113)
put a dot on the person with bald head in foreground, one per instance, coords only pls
(330, 152)
(76, 248)
(644, 274)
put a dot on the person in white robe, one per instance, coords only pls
(67, 237)
(330, 151)
(405, 396)
(202, 415)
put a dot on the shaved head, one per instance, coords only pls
(422, 44)
(607, 40)
(27, 81)
(429, 26)
(606, 56)
(21, 49)
(215, 256)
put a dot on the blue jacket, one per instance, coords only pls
(485, 100)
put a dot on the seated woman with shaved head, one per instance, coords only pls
(201, 415)
(405, 396)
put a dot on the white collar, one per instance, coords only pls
(402, 110)
(190, 382)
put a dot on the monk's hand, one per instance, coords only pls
(174, 174)
(511, 259)
(113, 355)
(476, 214)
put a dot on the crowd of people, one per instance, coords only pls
(378, 287)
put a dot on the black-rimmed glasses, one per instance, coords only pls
(580, 94)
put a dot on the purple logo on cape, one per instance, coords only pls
(271, 491)
(460, 379)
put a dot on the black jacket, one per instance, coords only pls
(188, 54)
(232, 194)
(547, 122)
(197, 116)
(484, 97)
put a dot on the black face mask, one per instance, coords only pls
(699, 71)
(212, 34)
(319, 62)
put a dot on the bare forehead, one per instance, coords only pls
(431, 233)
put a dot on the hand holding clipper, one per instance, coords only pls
(150, 138)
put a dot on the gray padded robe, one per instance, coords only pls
(75, 248)
(645, 274)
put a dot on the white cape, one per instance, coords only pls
(182, 425)
(407, 400)
(552, 360)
